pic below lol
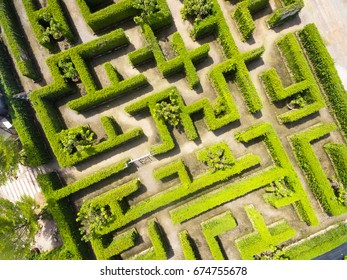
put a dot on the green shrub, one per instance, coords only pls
(326, 72)
(197, 9)
(16, 40)
(290, 9)
(169, 111)
(77, 140)
(244, 20)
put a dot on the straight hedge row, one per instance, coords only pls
(16, 39)
(338, 156)
(318, 244)
(188, 249)
(326, 72)
(61, 210)
(21, 114)
(35, 18)
(315, 175)
(43, 99)
(122, 10)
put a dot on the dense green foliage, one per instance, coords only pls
(170, 111)
(326, 72)
(16, 40)
(197, 9)
(48, 23)
(187, 246)
(22, 115)
(10, 158)
(18, 225)
(77, 140)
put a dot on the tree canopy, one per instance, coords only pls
(18, 226)
(9, 155)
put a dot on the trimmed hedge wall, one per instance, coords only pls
(22, 116)
(326, 72)
(244, 20)
(187, 246)
(338, 156)
(16, 39)
(291, 8)
(214, 227)
(122, 10)
(43, 99)
(216, 24)
(73, 246)
(318, 244)
(158, 251)
(264, 237)
(54, 8)
(283, 169)
(310, 164)
(305, 81)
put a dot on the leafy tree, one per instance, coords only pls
(18, 226)
(298, 102)
(68, 69)
(77, 140)
(217, 160)
(10, 158)
(197, 9)
(93, 218)
(53, 29)
(169, 111)
(147, 7)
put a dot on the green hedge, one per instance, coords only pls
(291, 9)
(283, 169)
(318, 244)
(264, 237)
(214, 227)
(16, 39)
(43, 99)
(244, 20)
(305, 81)
(22, 116)
(326, 72)
(140, 56)
(310, 164)
(158, 251)
(73, 246)
(122, 10)
(338, 156)
(187, 246)
(55, 9)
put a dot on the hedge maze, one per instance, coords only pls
(242, 166)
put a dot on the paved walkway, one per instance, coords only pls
(25, 183)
